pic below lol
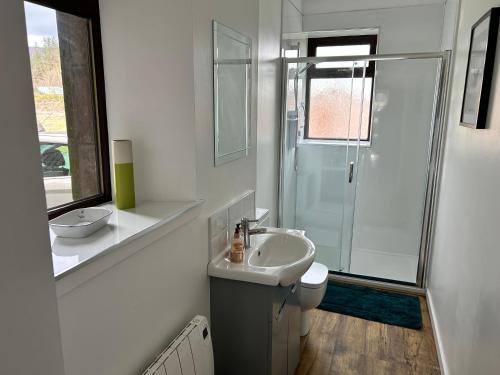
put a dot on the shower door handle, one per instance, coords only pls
(351, 171)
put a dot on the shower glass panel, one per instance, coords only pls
(323, 127)
(356, 157)
(392, 172)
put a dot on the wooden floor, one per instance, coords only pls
(341, 344)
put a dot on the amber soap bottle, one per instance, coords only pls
(237, 251)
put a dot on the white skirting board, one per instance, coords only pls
(437, 337)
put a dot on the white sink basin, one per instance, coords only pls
(277, 257)
(278, 250)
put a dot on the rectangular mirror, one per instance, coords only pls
(232, 93)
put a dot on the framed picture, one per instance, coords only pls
(480, 66)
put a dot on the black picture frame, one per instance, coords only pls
(480, 66)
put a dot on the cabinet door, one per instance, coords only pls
(279, 359)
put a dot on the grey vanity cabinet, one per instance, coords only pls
(255, 328)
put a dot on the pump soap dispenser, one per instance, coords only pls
(237, 252)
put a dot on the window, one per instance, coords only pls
(334, 89)
(68, 87)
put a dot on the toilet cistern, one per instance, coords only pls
(247, 232)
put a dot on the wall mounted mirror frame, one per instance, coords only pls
(232, 59)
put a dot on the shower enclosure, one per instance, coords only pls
(360, 143)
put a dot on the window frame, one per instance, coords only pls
(89, 9)
(314, 73)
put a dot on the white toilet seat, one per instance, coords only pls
(315, 277)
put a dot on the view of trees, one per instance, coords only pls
(47, 86)
(46, 64)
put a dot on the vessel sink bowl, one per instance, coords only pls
(277, 257)
(81, 222)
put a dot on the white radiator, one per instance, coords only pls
(189, 354)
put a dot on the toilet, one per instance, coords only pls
(312, 290)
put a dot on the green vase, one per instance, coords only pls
(123, 168)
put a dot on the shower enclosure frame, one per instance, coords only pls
(438, 129)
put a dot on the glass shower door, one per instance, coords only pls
(321, 135)
(358, 160)
(393, 171)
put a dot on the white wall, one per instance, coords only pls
(117, 322)
(464, 279)
(451, 9)
(292, 16)
(400, 29)
(29, 340)
(327, 6)
(148, 63)
(269, 106)
(218, 185)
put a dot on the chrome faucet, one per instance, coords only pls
(247, 232)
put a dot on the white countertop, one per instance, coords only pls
(69, 254)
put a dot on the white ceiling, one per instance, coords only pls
(330, 6)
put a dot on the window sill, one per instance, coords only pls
(125, 229)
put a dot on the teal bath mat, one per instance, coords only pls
(371, 304)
